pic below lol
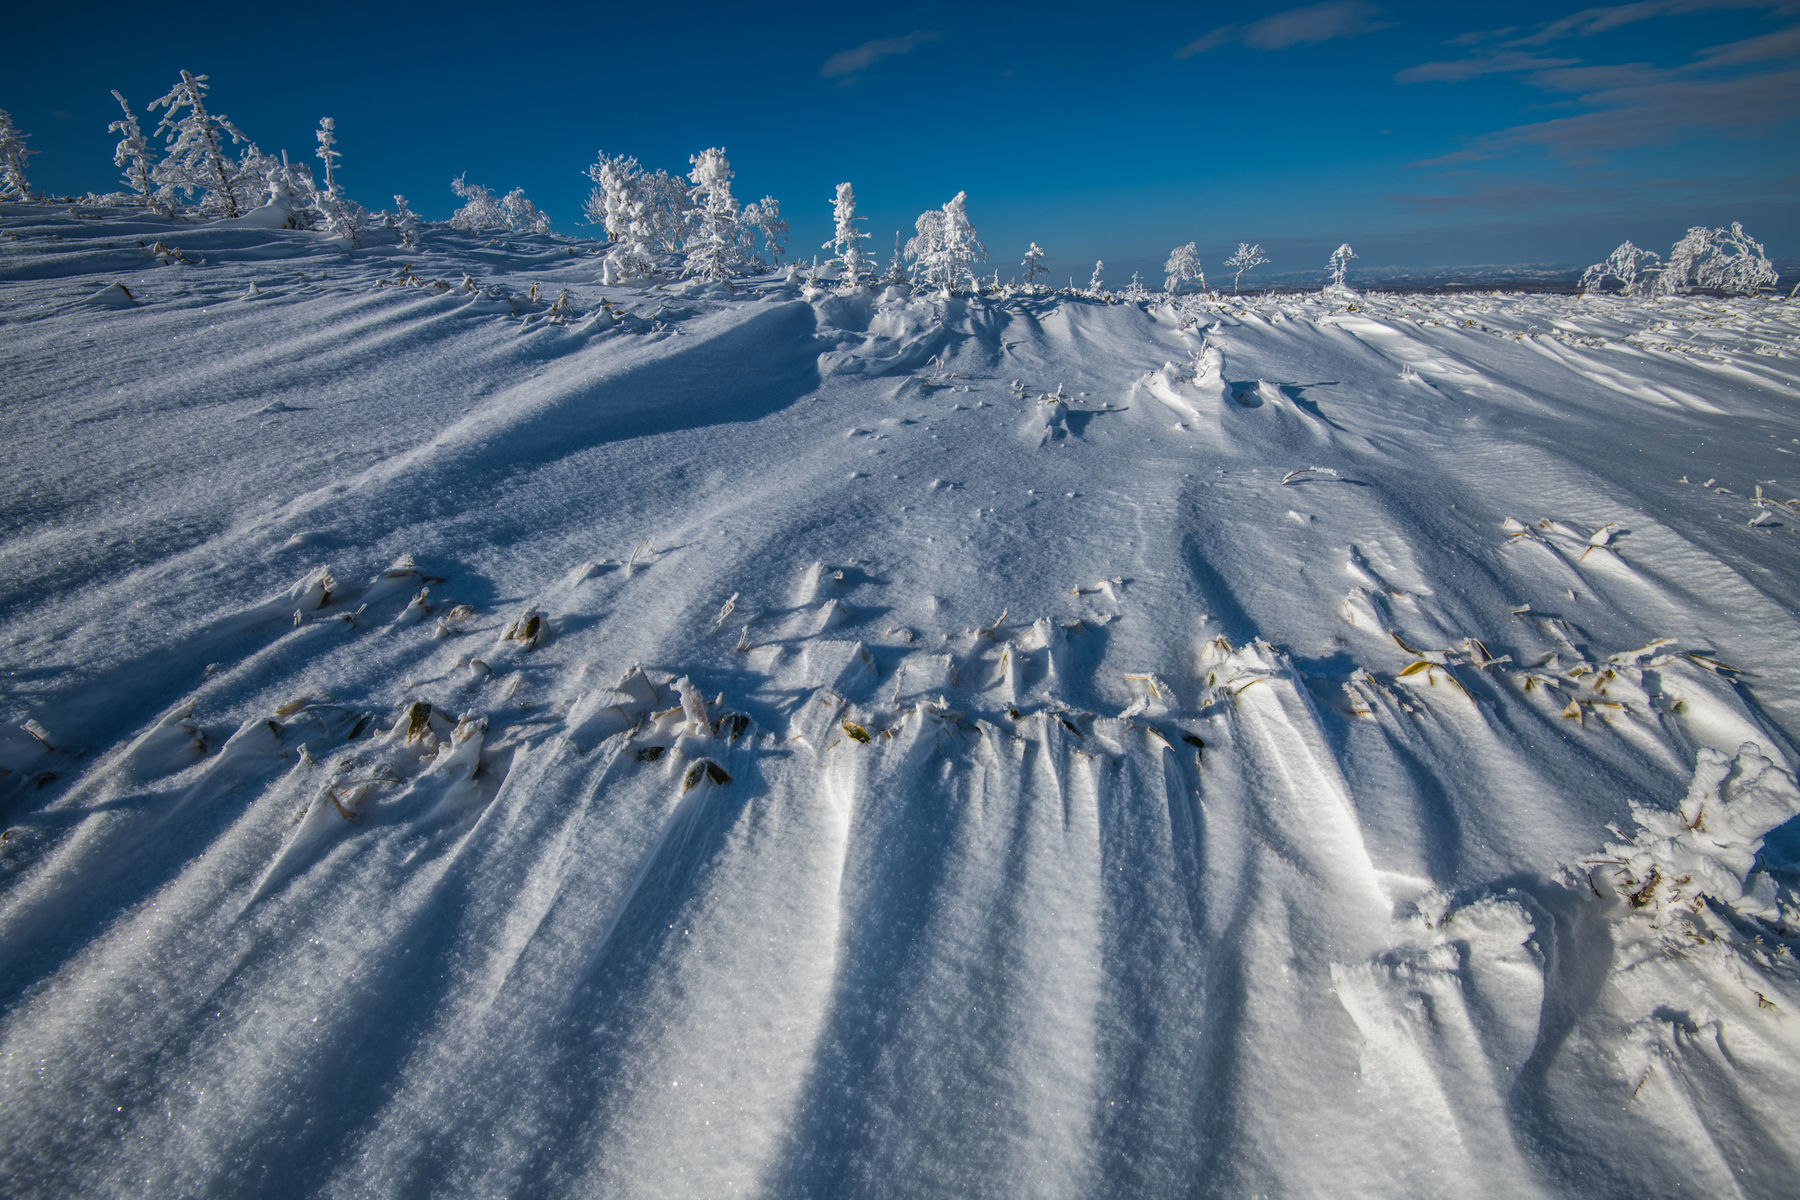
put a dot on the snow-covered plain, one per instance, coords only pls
(685, 741)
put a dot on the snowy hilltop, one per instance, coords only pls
(490, 712)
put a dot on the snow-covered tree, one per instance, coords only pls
(764, 218)
(1135, 291)
(846, 239)
(196, 162)
(133, 154)
(1636, 271)
(1247, 257)
(343, 217)
(406, 222)
(1726, 260)
(1097, 285)
(290, 189)
(1182, 269)
(1033, 262)
(711, 250)
(945, 249)
(621, 203)
(1339, 264)
(521, 215)
(480, 210)
(896, 272)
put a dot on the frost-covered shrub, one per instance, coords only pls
(1182, 269)
(1725, 260)
(13, 154)
(944, 248)
(482, 211)
(521, 215)
(712, 249)
(479, 211)
(1097, 284)
(1635, 270)
(342, 217)
(404, 220)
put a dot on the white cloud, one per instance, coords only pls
(861, 58)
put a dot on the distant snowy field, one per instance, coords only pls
(681, 741)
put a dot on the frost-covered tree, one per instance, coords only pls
(196, 162)
(1135, 291)
(1247, 257)
(133, 155)
(763, 217)
(290, 189)
(896, 272)
(620, 202)
(945, 248)
(1182, 269)
(1636, 271)
(846, 239)
(1097, 285)
(1725, 260)
(1339, 264)
(1033, 262)
(329, 154)
(711, 249)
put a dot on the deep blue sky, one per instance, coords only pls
(1419, 132)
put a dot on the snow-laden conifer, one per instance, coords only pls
(133, 154)
(847, 240)
(945, 248)
(711, 250)
(763, 217)
(406, 221)
(1338, 266)
(1033, 262)
(13, 154)
(196, 162)
(1096, 284)
(1247, 257)
(1182, 269)
(343, 217)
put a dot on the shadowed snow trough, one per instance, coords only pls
(675, 741)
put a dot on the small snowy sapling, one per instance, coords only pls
(12, 160)
(1033, 262)
(1247, 257)
(1182, 269)
(847, 240)
(1097, 285)
(479, 211)
(764, 218)
(945, 249)
(711, 250)
(132, 155)
(196, 162)
(1339, 265)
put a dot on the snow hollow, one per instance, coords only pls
(473, 728)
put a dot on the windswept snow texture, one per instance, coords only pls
(463, 738)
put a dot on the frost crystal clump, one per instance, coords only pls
(1684, 863)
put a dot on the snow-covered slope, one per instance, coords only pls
(676, 741)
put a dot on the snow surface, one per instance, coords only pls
(692, 741)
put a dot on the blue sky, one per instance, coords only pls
(1424, 134)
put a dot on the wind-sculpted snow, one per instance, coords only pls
(466, 737)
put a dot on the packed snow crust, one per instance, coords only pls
(473, 731)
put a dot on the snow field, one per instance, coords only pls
(804, 744)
